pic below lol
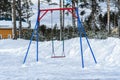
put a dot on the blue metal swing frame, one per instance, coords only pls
(80, 29)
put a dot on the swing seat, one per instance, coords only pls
(58, 57)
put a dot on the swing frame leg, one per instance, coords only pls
(35, 29)
(82, 31)
(81, 48)
(28, 48)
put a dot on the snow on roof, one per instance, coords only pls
(8, 24)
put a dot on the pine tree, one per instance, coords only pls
(5, 9)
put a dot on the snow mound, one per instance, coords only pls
(106, 51)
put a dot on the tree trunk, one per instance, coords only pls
(94, 4)
(14, 19)
(108, 16)
(73, 18)
(27, 11)
(119, 16)
(61, 21)
(20, 20)
(119, 25)
(63, 24)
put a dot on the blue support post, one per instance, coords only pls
(37, 56)
(82, 31)
(91, 50)
(89, 46)
(36, 27)
(37, 39)
(82, 58)
(28, 48)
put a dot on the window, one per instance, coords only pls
(0, 36)
(9, 36)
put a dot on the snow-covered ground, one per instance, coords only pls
(107, 53)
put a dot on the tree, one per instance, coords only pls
(27, 11)
(23, 12)
(61, 20)
(48, 1)
(108, 16)
(93, 14)
(5, 9)
(20, 18)
(14, 19)
(73, 18)
(42, 29)
(118, 5)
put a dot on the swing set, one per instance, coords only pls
(41, 14)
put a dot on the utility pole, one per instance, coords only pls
(108, 16)
(14, 35)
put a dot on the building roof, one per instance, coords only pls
(8, 24)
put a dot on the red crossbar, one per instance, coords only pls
(42, 16)
(72, 13)
(56, 9)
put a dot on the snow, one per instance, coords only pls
(68, 19)
(103, 6)
(107, 53)
(8, 24)
(47, 18)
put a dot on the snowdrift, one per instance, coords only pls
(107, 53)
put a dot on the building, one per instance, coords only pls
(6, 28)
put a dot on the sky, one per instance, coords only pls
(47, 18)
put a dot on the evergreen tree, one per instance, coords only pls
(5, 9)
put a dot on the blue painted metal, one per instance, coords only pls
(91, 51)
(81, 50)
(37, 37)
(82, 31)
(36, 26)
(37, 55)
(28, 48)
